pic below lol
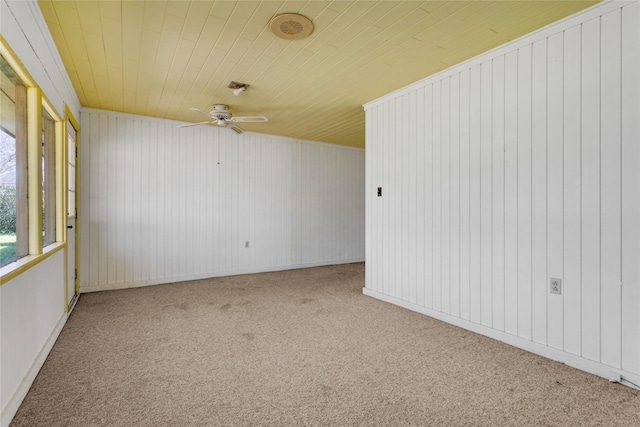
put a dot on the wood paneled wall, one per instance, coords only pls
(161, 204)
(515, 167)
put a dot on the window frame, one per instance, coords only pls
(51, 160)
(36, 101)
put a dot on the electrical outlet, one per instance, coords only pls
(555, 286)
(246, 244)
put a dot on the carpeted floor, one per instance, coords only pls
(301, 347)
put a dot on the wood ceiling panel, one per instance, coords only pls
(91, 18)
(211, 31)
(443, 21)
(160, 57)
(223, 9)
(158, 79)
(112, 40)
(545, 16)
(154, 15)
(132, 16)
(178, 8)
(310, 9)
(97, 61)
(195, 20)
(397, 15)
(169, 38)
(343, 28)
(181, 58)
(235, 24)
(254, 26)
(149, 48)
(110, 9)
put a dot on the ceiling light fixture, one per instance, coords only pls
(238, 87)
(291, 26)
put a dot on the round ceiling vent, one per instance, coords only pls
(291, 26)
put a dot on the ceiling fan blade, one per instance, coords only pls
(235, 128)
(199, 111)
(195, 124)
(249, 119)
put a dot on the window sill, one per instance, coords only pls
(25, 263)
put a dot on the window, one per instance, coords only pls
(14, 232)
(32, 170)
(71, 170)
(48, 179)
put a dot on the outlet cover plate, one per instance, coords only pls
(555, 286)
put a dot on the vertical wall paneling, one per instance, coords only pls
(572, 200)
(92, 160)
(539, 191)
(102, 197)
(437, 196)
(610, 187)
(454, 179)
(154, 200)
(112, 208)
(394, 197)
(412, 196)
(404, 190)
(511, 192)
(486, 197)
(420, 198)
(555, 187)
(524, 220)
(590, 158)
(475, 273)
(445, 179)
(142, 130)
(465, 207)
(497, 194)
(527, 168)
(380, 181)
(387, 196)
(169, 204)
(428, 186)
(296, 190)
(630, 189)
(486, 188)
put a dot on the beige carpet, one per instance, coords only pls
(301, 347)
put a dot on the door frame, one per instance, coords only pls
(69, 119)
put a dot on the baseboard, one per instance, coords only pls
(9, 411)
(612, 374)
(175, 279)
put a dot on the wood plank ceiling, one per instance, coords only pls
(158, 58)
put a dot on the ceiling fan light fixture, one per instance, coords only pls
(238, 87)
(291, 26)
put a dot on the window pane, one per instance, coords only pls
(71, 170)
(48, 179)
(14, 233)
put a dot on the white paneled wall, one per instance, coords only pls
(515, 167)
(161, 204)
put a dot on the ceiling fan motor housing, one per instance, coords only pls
(220, 112)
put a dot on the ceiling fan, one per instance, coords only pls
(221, 116)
